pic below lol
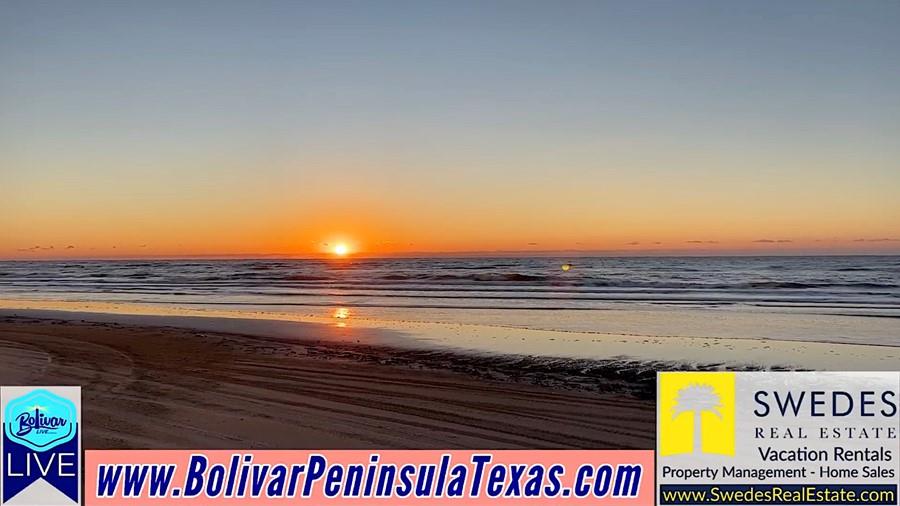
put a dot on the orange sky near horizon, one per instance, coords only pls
(382, 204)
(194, 220)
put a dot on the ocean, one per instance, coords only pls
(755, 297)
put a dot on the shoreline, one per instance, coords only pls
(482, 342)
(630, 377)
(355, 384)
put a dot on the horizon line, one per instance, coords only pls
(463, 254)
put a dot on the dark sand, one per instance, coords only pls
(164, 387)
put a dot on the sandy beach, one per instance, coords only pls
(165, 387)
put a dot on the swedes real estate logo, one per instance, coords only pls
(778, 437)
(41, 446)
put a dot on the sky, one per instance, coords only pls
(284, 128)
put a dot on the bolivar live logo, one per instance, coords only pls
(41, 446)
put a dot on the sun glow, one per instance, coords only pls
(341, 249)
(342, 314)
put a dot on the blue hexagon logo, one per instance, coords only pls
(40, 420)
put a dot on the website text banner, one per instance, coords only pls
(360, 477)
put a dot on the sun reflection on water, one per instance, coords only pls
(341, 314)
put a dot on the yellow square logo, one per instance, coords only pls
(695, 413)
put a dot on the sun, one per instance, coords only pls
(341, 249)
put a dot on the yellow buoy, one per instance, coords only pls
(566, 267)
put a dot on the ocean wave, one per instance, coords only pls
(509, 277)
(592, 282)
(482, 282)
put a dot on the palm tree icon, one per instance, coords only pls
(697, 398)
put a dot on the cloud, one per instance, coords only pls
(880, 239)
(633, 243)
(774, 241)
(702, 242)
(70, 247)
(532, 244)
(36, 247)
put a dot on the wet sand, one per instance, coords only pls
(622, 360)
(166, 387)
